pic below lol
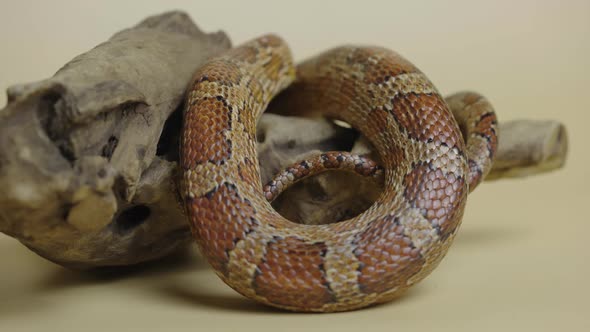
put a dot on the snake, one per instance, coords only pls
(432, 152)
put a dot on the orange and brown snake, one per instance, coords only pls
(433, 152)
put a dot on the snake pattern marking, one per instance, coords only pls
(432, 151)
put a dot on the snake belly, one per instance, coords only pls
(428, 171)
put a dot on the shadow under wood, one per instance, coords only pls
(182, 261)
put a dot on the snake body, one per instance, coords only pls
(430, 158)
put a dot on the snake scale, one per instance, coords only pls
(432, 153)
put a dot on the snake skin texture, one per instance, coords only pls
(340, 160)
(430, 160)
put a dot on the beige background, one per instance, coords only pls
(521, 260)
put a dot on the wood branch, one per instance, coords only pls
(529, 147)
(88, 158)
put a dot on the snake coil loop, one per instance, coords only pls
(432, 156)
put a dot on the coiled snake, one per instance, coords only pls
(432, 154)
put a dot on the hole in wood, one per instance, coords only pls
(167, 147)
(109, 148)
(132, 217)
(55, 126)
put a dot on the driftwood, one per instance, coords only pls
(529, 148)
(88, 157)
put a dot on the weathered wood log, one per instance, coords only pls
(88, 158)
(529, 147)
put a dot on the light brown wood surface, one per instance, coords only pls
(521, 260)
